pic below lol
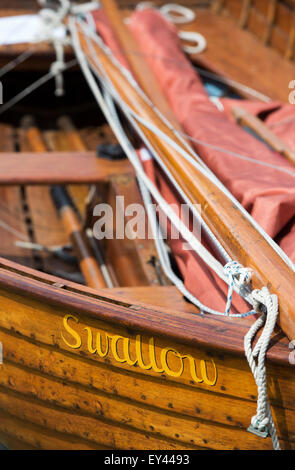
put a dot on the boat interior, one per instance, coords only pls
(70, 130)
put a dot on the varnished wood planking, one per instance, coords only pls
(258, 20)
(19, 431)
(241, 57)
(97, 430)
(104, 382)
(11, 442)
(162, 296)
(146, 416)
(234, 377)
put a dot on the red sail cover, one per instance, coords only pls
(267, 194)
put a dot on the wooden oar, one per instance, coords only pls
(88, 264)
(246, 119)
(238, 236)
(73, 142)
(67, 211)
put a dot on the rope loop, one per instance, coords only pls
(193, 37)
(177, 14)
(173, 12)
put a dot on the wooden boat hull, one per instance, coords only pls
(83, 371)
(95, 370)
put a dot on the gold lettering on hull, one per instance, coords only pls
(130, 351)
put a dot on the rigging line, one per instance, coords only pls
(13, 231)
(34, 86)
(178, 133)
(193, 209)
(205, 170)
(241, 156)
(185, 232)
(158, 238)
(215, 180)
(128, 75)
(18, 60)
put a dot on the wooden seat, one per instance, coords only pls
(58, 168)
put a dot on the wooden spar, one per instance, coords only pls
(244, 118)
(88, 264)
(139, 67)
(238, 236)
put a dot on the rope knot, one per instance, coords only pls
(238, 275)
(260, 424)
(263, 300)
(266, 303)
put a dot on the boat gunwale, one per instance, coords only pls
(222, 334)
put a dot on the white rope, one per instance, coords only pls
(193, 37)
(237, 275)
(173, 12)
(52, 20)
(12, 230)
(178, 14)
(15, 62)
(158, 238)
(262, 423)
(27, 91)
(146, 141)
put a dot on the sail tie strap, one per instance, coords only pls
(262, 423)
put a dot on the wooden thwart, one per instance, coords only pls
(58, 168)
